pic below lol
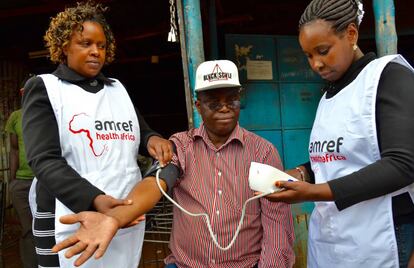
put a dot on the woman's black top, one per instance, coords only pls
(395, 129)
(41, 138)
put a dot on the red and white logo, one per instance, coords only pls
(98, 131)
(80, 124)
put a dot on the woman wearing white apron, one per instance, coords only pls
(83, 134)
(361, 147)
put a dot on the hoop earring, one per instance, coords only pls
(354, 47)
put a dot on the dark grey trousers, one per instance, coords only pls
(19, 190)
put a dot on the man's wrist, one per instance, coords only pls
(118, 220)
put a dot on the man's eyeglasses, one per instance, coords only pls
(217, 106)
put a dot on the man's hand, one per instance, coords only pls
(94, 235)
(103, 203)
(160, 149)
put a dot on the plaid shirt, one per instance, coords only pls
(215, 181)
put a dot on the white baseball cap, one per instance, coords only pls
(216, 74)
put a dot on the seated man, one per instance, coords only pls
(208, 173)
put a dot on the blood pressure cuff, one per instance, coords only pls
(169, 174)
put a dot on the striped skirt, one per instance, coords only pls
(44, 237)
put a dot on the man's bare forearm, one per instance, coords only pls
(144, 196)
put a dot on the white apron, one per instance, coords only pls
(344, 140)
(99, 135)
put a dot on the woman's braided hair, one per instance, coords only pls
(339, 12)
(71, 19)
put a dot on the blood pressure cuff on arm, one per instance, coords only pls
(169, 174)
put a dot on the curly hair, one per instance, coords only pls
(339, 12)
(71, 19)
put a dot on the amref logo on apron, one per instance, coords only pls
(331, 150)
(104, 130)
